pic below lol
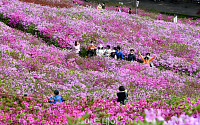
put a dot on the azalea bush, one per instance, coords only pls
(165, 94)
(176, 49)
(89, 86)
(99, 111)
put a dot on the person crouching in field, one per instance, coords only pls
(147, 59)
(56, 98)
(122, 95)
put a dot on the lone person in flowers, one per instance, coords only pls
(119, 53)
(131, 56)
(130, 11)
(147, 59)
(122, 95)
(91, 48)
(103, 6)
(56, 98)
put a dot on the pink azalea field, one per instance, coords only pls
(165, 94)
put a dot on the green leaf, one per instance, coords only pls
(181, 107)
(44, 121)
(69, 119)
(85, 116)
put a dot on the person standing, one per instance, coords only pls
(103, 6)
(130, 11)
(131, 56)
(118, 9)
(119, 53)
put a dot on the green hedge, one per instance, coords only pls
(30, 29)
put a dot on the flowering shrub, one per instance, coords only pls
(141, 32)
(89, 85)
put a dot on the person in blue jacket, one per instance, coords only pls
(119, 53)
(56, 98)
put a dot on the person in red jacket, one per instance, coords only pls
(146, 60)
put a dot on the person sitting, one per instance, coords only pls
(130, 11)
(131, 56)
(113, 53)
(77, 47)
(119, 53)
(100, 50)
(56, 98)
(146, 59)
(122, 95)
(108, 51)
(148, 55)
(91, 48)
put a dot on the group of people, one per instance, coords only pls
(122, 96)
(119, 10)
(115, 53)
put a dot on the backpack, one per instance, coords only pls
(126, 100)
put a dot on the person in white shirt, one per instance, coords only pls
(100, 50)
(77, 47)
(108, 51)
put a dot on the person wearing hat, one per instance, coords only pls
(56, 98)
(100, 51)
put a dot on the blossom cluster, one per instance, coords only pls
(89, 85)
(176, 45)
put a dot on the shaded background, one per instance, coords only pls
(189, 7)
